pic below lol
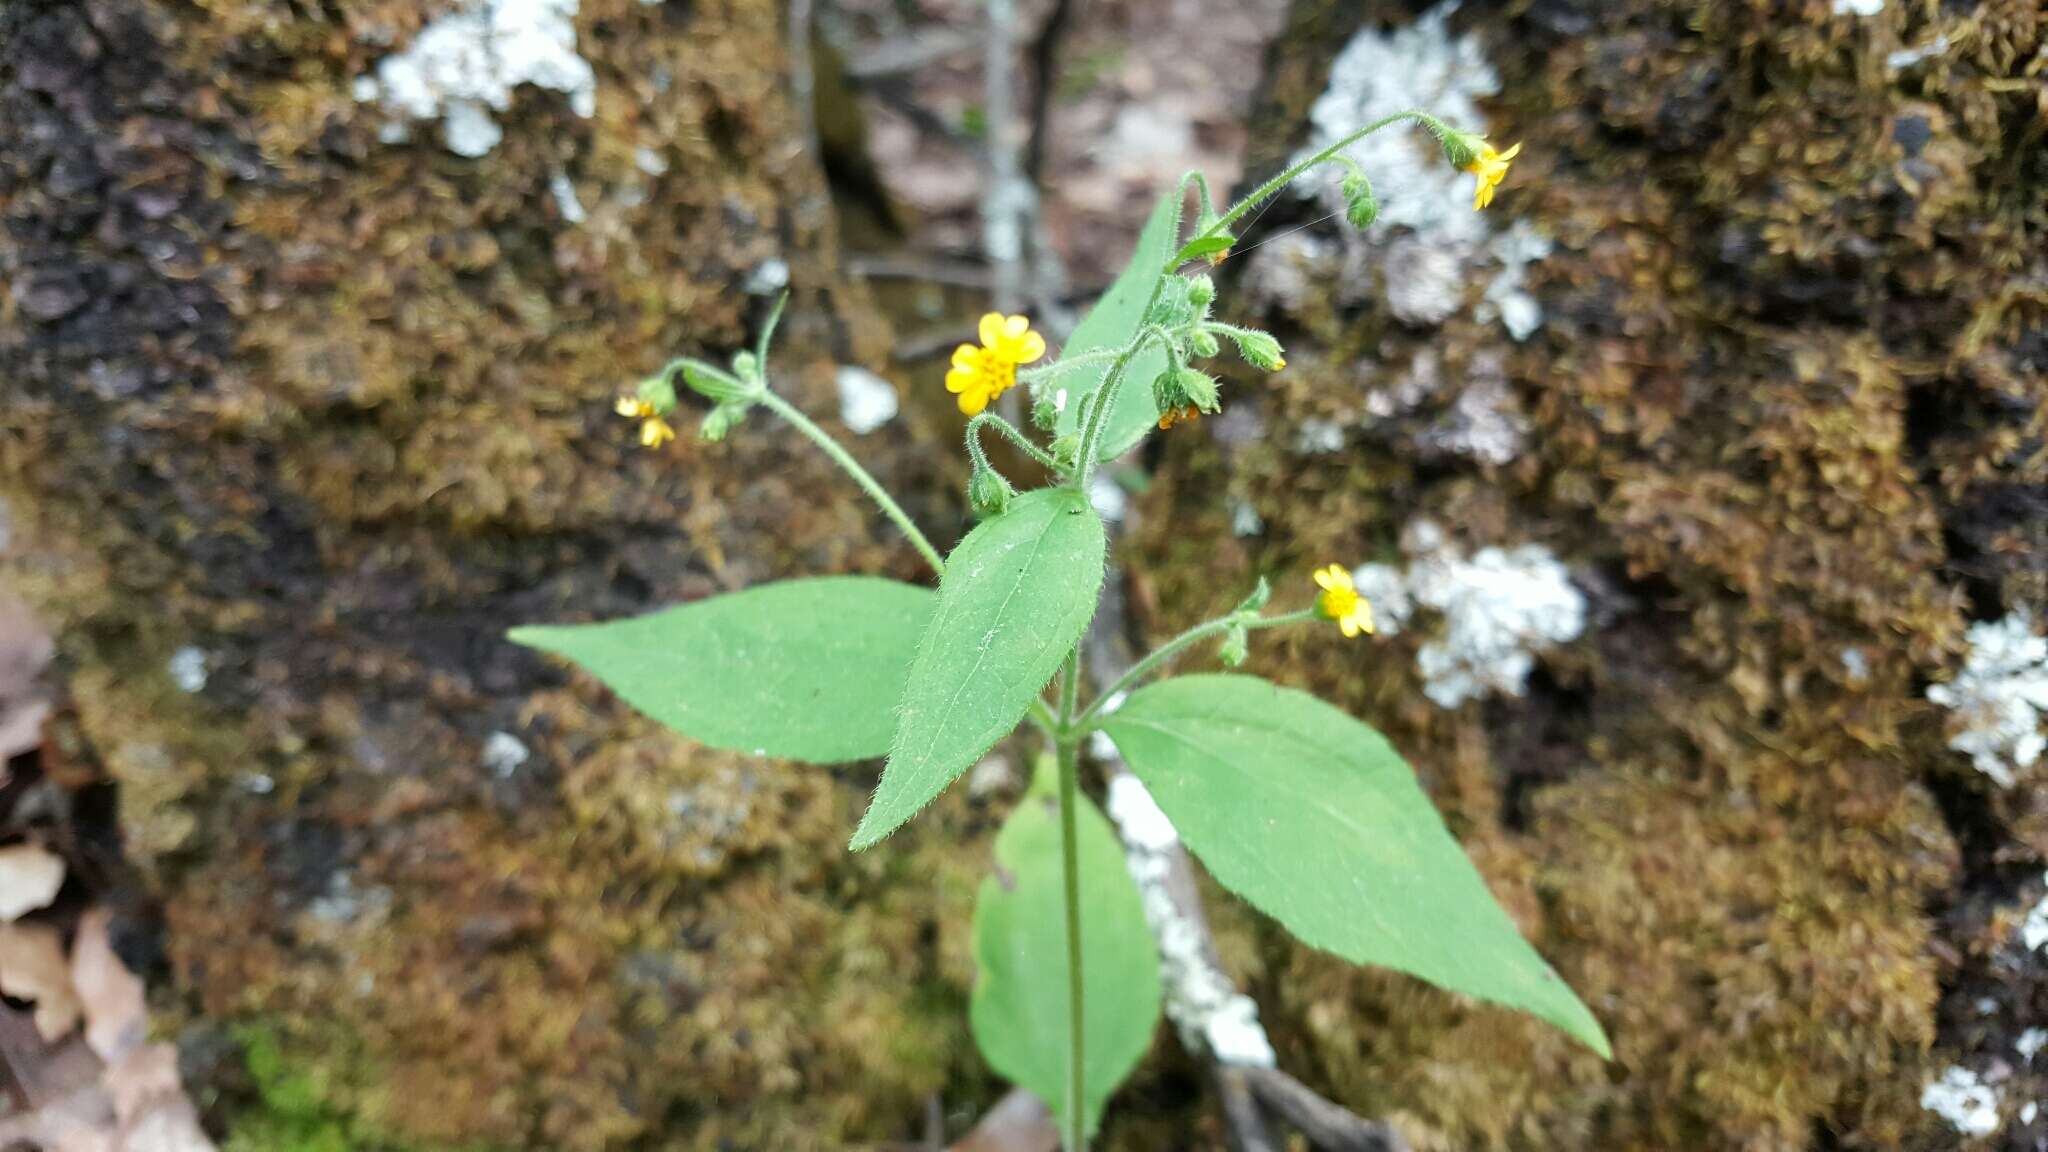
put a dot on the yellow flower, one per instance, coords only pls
(1491, 167)
(1340, 601)
(1172, 416)
(654, 431)
(979, 375)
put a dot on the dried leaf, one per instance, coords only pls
(29, 878)
(150, 1102)
(24, 651)
(1020, 1122)
(32, 967)
(116, 1019)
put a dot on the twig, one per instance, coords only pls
(1241, 1112)
(1327, 1126)
(957, 273)
(802, 75)
(908, 54)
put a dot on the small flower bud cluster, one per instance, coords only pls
(1181, 392)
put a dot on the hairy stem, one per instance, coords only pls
(1159, 656)
(1068, 751)
(1076, 1135)
(1271, 187)
(868, 483)
(1011, 433)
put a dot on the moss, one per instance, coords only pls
(1778, 414)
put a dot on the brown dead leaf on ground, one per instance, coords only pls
(116, 1016)
(1020, 1122)
(33, 968)
(25, 650)
(30, 876)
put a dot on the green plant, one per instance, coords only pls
(1303, 811)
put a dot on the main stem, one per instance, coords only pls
(1076, 1135)
(868, 484)
(1067, 751)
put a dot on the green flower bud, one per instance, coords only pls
(1066, 449)
(1201, 292)
(1045, 414)
(1236, 647)
(1202, 344)
(746, 366)
(1177, 389)
(988, 493)
(713, 384)
(1462, 149)
(721, 420)
(1172, 309)
(1258, 349)
(1361, 207)
(658, 392)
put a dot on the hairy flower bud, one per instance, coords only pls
(746, 366)
(1258, 349)
(721, 420)
(988, 493)
(1462, 149)
(657, 392)
(1236, 647)
(1201, 292)
(1202, 344)
(1361, 207)
(1045, 413)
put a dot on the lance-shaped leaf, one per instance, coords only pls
(803, 669)
(1110, 325)
(1316, 820)
(1019, 1010)
(1016, 595)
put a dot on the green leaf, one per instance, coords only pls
(1016, 595)
(1111, 324)
(803, 669)
(1317, 821)
(1205, 246)
(1019, 1010)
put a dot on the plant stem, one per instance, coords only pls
(1076, 1135)
(1167, 651)
(1009, 431)
(1264, 191)
(846, 462)
(1067, 750)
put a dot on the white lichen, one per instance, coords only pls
(1907, 57)
(866, 401)
(564, 191)
(1995, 702)
(1500, 608)
(2034, 929)
(1429, 244)
(188, 669)
(464, 66)
(1382, 72)
(1961, 1097)
(504, 754)
(2031, 1042)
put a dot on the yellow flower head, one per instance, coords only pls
(979, 375)
(654, 431)
(1491, 167)
(1340, 601)
(1172, 416)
